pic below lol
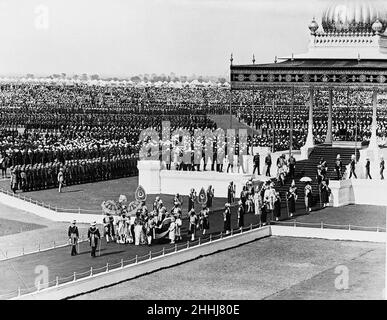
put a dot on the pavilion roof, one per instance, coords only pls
(318, 64)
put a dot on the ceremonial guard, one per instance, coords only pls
(308, 197)
(339, 168)
(381, 167)
(94, 236)
(193, 221)
(277, 206)
(73, 235)
(241, 215)
(227, 219)
(191, 200)
(292, 198)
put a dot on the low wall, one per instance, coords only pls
(358, 191)
(342, 193)
(330, 234)
(122, 274)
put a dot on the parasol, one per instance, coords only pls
(110, 207)
(306, 179)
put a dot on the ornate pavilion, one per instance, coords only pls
(347, 51)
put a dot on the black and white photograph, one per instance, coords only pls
(210, 151)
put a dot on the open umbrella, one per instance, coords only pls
(306, 179)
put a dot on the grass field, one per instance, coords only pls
(8, 227)
(271, 268)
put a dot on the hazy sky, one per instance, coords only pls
(122, 38)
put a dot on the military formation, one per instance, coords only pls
(45, 176)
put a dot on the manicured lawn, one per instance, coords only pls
(270, 268)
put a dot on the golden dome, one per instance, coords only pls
(354, 16)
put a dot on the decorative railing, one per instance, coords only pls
(109, 267)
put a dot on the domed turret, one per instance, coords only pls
(313, 26)
(355, 16)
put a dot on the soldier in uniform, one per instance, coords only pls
(73, 235)
(94, 236)
(367, 167)
(257, 163)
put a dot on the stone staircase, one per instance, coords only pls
(308, 168)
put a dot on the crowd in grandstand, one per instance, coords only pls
(49, 126)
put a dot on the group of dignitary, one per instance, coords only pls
(149, 226)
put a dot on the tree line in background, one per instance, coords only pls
(136, 78)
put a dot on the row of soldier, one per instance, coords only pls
(46, 176)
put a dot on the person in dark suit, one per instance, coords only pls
(73, 235)
(338, 167)
(353, 166)
(367, 166)
(268, 163)
(256, 164)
